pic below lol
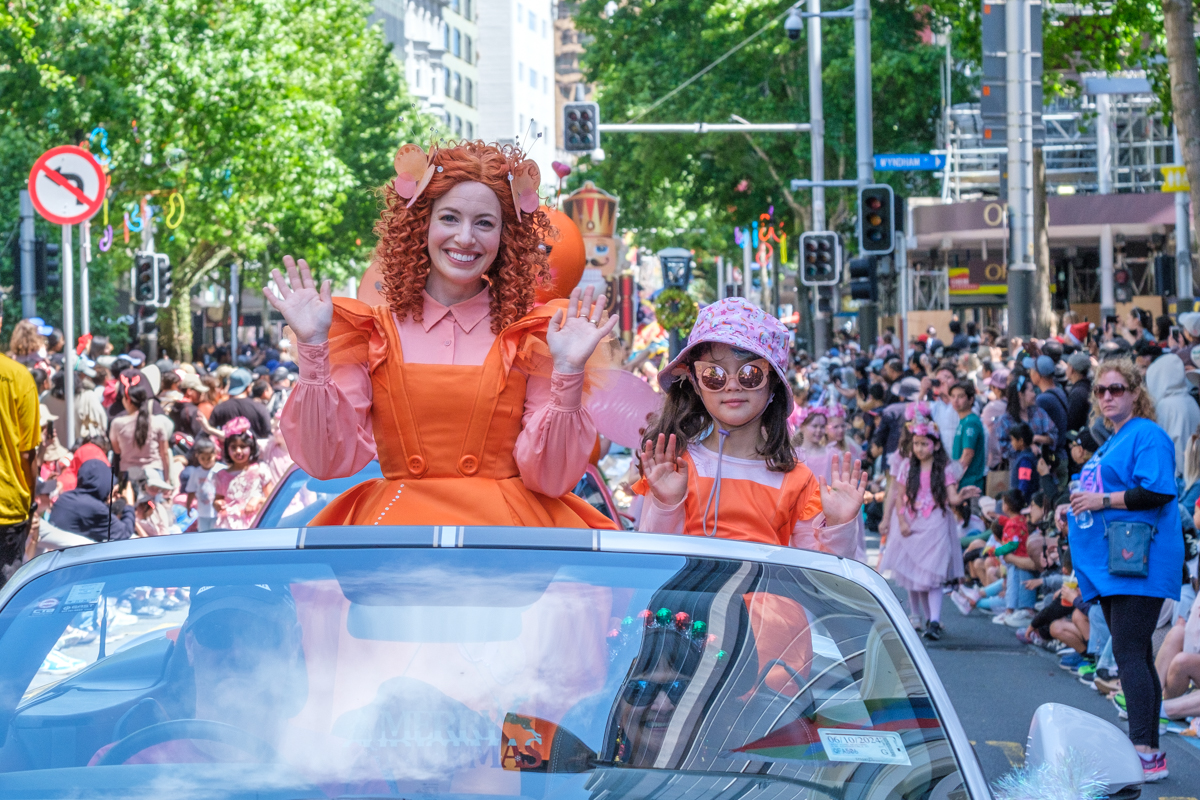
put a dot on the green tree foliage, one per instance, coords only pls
(692, 190)
(274, 119)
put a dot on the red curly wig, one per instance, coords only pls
(403, 253)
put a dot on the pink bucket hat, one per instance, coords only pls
(735, 322)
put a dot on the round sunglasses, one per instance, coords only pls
(714, 377)
(642, 693)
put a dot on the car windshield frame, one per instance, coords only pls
(543, 539)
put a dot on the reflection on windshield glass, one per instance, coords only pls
(398, 673)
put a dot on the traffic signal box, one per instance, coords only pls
(876, 219)
(820, 258)
(581, 131)
(864, 279)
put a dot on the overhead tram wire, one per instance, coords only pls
(707, 69)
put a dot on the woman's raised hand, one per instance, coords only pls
(308, 311)
(842, 497)
(665, 470)
(573, 336)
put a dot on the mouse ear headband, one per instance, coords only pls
(415, 169)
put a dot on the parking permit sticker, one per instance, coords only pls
(873, 747)
(83, 597)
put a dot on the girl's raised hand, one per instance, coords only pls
(572, 337)
(842, 497)
(307, 309)
(665, 470)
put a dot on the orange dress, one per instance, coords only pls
(444, 434)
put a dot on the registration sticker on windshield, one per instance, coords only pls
(82, 597)
(873, 747)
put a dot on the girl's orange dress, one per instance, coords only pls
(445, 434)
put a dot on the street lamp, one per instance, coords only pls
(676, 266)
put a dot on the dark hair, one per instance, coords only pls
(937, 477)
(97, 347)
(204, 445)
(997, 529)
(1017, 382)
(1038, 499)
(876, 391)
(141, 398)
(259, 389)
(1022, 433)
(169, 380)
(1144, 317)
(955, 326)
(246, 438)
(966, 386)
(39, 376)
(98, 439)
(1014, 500)
(685, 416)
(972, 328)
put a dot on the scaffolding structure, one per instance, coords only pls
(1078, 130)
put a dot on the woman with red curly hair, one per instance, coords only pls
(470, 399)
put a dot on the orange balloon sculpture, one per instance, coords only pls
(568, 257)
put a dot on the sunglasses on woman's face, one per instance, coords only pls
(1113, 389)
(714, 377)
(642, 693)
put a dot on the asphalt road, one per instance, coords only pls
(996, 683)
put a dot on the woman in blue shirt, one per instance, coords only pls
(1131, 478)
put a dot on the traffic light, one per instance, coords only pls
(162, 266)
(145, 279)
(864, 284)
(51, 275)
(1122, 285)
(581, 132)
(876, 219)
(820, 258)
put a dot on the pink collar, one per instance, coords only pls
(467, 314)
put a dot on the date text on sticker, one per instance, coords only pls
(872, 747)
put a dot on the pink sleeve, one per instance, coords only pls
(327, 422)
(557, 434)
(814, 534)
(657, 518)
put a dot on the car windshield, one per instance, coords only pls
(301, 496)
(460, 672)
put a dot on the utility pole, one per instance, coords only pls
(864, 133)
(1183, 234)
(28, 287)
(1019, 118)
(822, 323)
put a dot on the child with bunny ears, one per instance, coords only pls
(718, 461)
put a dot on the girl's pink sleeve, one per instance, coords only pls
(327, 421)
(814, 534)
(557, 434)
(657, 518)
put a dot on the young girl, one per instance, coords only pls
(810, 439)
(718, 462)
(926, 553)
(242, 488)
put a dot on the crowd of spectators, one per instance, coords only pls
(159, 447)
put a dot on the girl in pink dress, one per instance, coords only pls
(242, 488)
(836, 444)
(923, 552)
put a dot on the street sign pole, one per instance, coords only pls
(1183, 235)
(822, 324)
(864, 136)
(68, 290)
(1019, 130)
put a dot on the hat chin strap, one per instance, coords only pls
(716, 490)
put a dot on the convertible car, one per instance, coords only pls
(443, 662)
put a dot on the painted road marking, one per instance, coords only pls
(1014, 752)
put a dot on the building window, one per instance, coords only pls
(445, 37)
(417, 78)
(456, 43)
(470, 130)
(545, 85)
(533, 77)
(468, 50)
(458, 87)
(545, 30)
(448, 118)
(458, 126)
(446, 81)
(470, 93)
(520, 70)
(466, 5)
(532, 22)
(454, 6)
